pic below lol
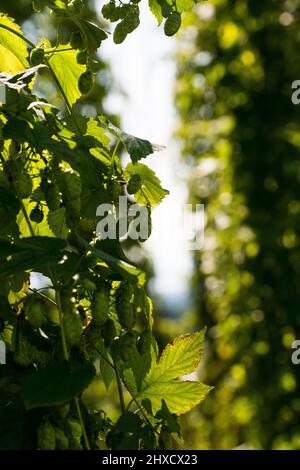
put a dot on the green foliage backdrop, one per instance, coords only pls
(240, 134)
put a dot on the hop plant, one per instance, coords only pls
(46, 436)
(124, 307)
(127, 346)
(144, 341)
(76, 40)
(61, 440)
(37, 215)
(35, 313)
(86, 82)
(73, 328)
(134, 184)
(37, 56)
(108, 332)
(100, 306)
(75, 7)
(172, 24)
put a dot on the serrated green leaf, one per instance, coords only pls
(151, 192)
(13, 49)
(32, 253)
(180, 357)
(156, 10)
(57, 222)
(56, 384)
(93, 34)
(136, 147)
(67, 72)
(93, 129)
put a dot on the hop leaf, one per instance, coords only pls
(180, 357)
(13, 49)
(136, 147)
(151, 191)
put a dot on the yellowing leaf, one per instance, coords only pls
(13, 49)
(67, 73)
(180, 357)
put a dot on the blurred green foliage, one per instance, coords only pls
(240, 135)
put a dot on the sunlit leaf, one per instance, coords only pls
(180, 357)
(13, 49)
(156, 10)
(151, 192)
(67, 72)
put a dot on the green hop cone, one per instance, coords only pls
(115, 190)
(46, 436)
(36, 215)
(119, 33)
(61, 440)
(35, 313)
(73, 328)
(134, 184)
(23, 353)
(108, 332)
(82, 57)
(87, 284)
(63, 411)
(86, 82)
(37, 56)
(116, 350)
(124, 308)
(144, 342)
(76, 40)
(123, 11)
(127, 346)
(125, 313)
(100, 306)
(111, 12)
(131, 22)
(172, 24)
